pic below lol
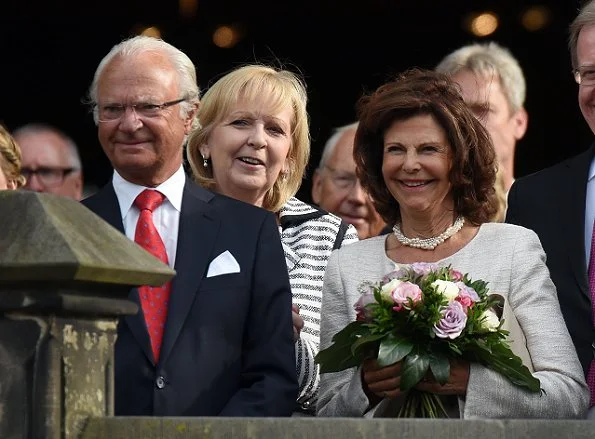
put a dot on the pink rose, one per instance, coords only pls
(465, 301)
(405, 295)
(456, 275)
(467, 295)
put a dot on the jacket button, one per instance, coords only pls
(160, 382)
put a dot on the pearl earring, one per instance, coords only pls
(205, 163)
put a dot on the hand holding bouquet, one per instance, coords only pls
(425, 317)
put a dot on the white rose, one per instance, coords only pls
(489, 320)
(388, 288)
(448, 289)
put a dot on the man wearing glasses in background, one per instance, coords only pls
(51, 161)
(218, 339)
(336, 188)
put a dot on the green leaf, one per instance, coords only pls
(440, 367)
(349, 331)
(393, 349)
(501, 359)
(338, 355)
(415, 366)
(365, 341)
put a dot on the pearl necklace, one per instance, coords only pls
(428, 243)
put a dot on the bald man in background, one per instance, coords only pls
(50, 161)
(336, 188)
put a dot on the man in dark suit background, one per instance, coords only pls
(558, 203)
(218, 340)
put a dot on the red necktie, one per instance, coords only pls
(591, 374)
(154, 300)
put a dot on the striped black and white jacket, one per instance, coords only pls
(308, 236)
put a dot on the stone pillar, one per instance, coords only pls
(65, 277)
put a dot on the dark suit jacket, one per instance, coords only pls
(552, 203)
(228, 344)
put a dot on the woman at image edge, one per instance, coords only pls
(429, 165)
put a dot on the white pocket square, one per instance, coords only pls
(225, 263)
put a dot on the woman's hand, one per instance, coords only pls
(381, 382)
(457, 383)
(384, 382)
(298, 322)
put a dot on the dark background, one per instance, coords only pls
(50, 51)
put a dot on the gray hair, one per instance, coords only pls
(484, 59)
(331, 143)
(585, 17)
(40, 128)
(135, 46)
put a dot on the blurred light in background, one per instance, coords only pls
(188, 8)
(151, 31)
(226, 36)
(482, 24)
(536, 18)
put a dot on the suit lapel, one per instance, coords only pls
(197, 235)
(573, 216)
(105, 203)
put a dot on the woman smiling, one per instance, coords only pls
(429, 166)
(253, 144)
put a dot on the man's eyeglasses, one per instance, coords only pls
(341, 180)
(48, 177)
(584, 75)
(111, 112)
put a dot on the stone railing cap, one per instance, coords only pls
(46, 237)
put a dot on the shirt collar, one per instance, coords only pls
(591, 170)
(172, 188)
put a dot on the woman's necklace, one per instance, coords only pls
(428, 243)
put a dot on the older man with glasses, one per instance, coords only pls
(218, 339)
(50, 160)
(336, 188)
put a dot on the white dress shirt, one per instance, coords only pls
(589, 211)
(166, 217)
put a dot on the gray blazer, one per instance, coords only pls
(510, 258)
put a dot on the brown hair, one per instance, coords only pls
(10, 158)
(425, 92)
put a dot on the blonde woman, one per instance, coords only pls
(253, 144)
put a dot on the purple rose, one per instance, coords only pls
(397, 274)
(423, 268)
(363, 312)
(453, 321)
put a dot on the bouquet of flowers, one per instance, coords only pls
(425, 316)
